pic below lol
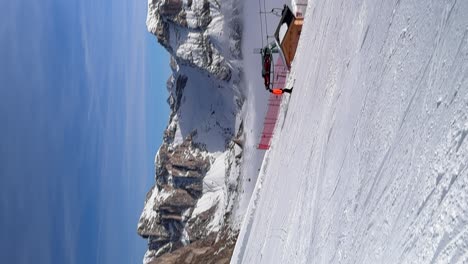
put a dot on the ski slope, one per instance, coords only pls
(369, 159)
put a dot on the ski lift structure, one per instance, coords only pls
(287, 35)
(286, 39)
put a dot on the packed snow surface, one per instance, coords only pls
(369, 159)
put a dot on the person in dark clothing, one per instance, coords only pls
(266, 67)
(267, 57)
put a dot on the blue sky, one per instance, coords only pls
(83, 107)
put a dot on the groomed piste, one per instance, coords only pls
(368, 161)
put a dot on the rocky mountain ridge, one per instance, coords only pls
(197, 166)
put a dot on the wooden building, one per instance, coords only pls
(287, 35)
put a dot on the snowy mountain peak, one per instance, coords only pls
(196, 176)
(195, 32)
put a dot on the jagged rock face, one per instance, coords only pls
(179, 182)
(180, 170)
(182, 167)
(184, 28)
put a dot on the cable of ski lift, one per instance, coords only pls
(266, 22)
(261, 22)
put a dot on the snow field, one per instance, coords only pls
(370, 165)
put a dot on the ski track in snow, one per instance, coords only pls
(369, 165)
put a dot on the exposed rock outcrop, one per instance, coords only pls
(184, 28)
(207, 251)
(179, 182)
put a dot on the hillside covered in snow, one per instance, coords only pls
(369, 159)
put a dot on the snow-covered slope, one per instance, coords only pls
(369, 159)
